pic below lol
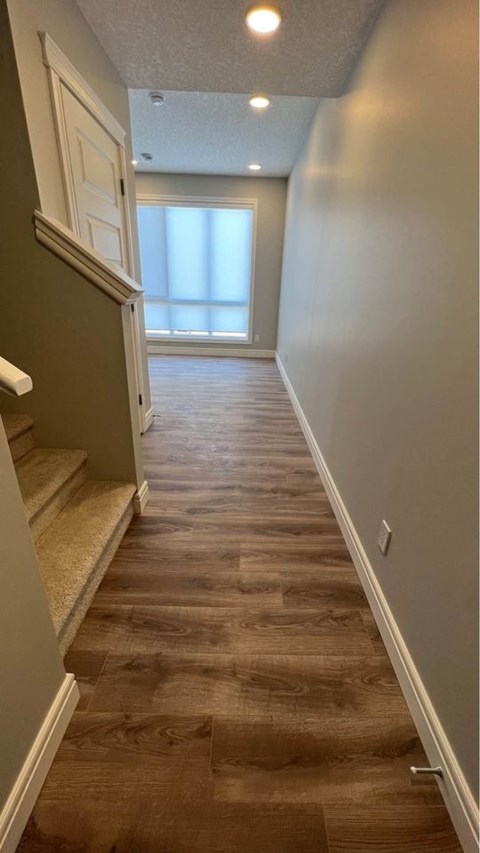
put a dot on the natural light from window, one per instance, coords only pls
(196, 270)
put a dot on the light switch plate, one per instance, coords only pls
(384, 536)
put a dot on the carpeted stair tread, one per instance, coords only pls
(74, 543)
(16, 425)
(42, 473)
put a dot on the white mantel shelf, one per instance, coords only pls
(113, 281)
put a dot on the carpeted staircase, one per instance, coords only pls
(77, 524)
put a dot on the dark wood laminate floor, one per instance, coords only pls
(235, 694)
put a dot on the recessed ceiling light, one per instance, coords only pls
(259, 102)
(263, 19)
(255, 167)
(157, 99)
(134, 162)
(146, 156)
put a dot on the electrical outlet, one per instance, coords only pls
(257, 339)
(384, 536)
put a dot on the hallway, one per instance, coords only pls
(235, 694)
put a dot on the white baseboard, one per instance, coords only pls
(140, 498)
(214, 350)
(20, 803)
(458, 797)
(149, 418)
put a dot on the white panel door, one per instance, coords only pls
(96, 174)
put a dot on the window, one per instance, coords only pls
(197, 269)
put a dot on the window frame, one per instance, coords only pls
(157, 200)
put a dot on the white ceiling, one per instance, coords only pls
(201, 55)
(220, 131)
(205, 46)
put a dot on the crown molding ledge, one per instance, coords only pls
(114, 282)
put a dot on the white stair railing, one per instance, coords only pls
(12, 380)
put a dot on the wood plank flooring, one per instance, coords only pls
(236, 696)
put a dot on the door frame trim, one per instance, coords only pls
(59, 64)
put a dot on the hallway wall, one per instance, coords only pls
(271, 196)
(31, 669)
(378, 328)
(53, 323)
(65, 24)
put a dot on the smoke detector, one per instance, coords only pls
(157, 99)
(146, 156)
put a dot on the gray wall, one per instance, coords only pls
(378, 328)
(271, 194)
(64, 22)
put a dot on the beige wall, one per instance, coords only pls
(270, 194)
(64, 22)
(31, 669)
(378, 328)
(53, 323)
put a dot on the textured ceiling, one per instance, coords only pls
(218, 134)
(205, 46)
(202, 57)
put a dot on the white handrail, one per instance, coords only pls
(12, 380)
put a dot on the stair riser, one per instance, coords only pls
(50, 510)
(20, 446)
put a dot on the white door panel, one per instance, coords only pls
(96, 171)
(106, 239)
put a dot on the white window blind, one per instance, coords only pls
(196, 270)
